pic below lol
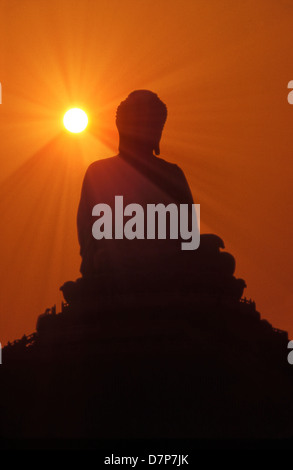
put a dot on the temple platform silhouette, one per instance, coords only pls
(195, 364)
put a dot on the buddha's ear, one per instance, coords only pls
(157, 149)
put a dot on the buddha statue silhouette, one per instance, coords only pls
(116, 264)
(141, 177)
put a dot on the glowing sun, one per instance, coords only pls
(75, 120)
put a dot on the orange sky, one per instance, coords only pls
(222, 67)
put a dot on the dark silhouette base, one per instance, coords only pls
(186, 360)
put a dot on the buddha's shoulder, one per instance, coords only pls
(168, 165)
(102, 163)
